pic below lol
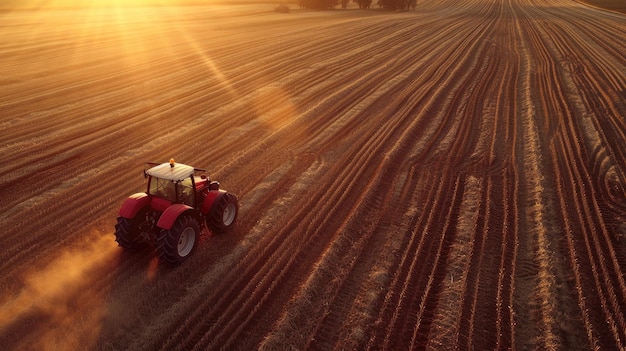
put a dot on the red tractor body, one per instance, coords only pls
(171, 213)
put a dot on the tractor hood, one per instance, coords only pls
(171, 171)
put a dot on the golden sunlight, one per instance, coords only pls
(29, 4)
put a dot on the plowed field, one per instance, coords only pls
(452, 177)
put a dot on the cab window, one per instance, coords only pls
(163, 188)
(186, 192)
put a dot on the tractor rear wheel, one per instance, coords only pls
(223, 214)
(127, 232)
(175, 244)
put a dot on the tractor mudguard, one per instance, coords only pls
(133, 204)
(210, 199)
(170, 215)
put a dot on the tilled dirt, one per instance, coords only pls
(446, 178)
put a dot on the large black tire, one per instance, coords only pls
(223, 214)
(127, 232)
(174, 245)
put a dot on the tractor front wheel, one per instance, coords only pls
(222, 216)
(128, 232)
(175, 244)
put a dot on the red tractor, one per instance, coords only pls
(172, 212)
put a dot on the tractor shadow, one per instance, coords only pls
(148, 298)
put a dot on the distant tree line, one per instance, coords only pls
(397, 4)
(363, 4)
(318, 4)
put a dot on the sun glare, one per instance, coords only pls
(38, 4)
(109, 3)
(133, 33)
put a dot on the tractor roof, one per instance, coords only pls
(173, 171)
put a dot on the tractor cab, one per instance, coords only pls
(175, 182)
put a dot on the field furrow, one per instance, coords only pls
(449, 177)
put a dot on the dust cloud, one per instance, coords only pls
(66, 289)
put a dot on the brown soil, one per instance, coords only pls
(446, 178)
(613, 5)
